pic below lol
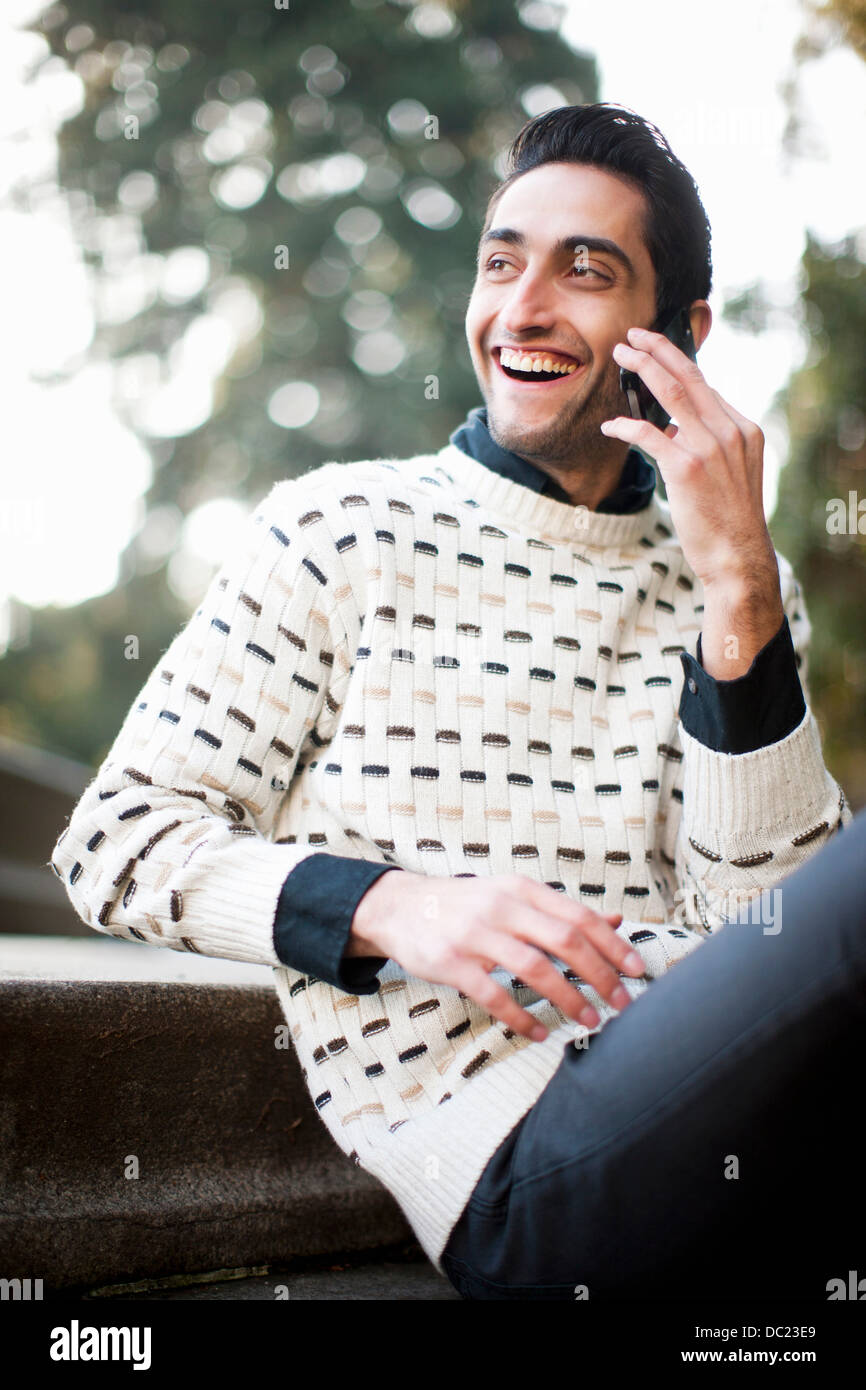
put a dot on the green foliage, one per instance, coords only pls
(827, 460)
(183, 93)
(469, 82)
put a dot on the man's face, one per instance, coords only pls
(574, 298)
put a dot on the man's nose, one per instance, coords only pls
(530, 300)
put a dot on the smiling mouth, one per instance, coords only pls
(538, 377)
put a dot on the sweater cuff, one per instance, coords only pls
(754, 710)
(313, 920)
(758, 793)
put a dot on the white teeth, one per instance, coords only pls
(523, 362)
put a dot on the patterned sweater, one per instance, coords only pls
(420, 663)
(320, 896)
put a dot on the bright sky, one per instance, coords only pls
(709, 77)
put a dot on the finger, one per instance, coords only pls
(618, 949)
(691, 403)
(731, 410)
(571, 944)
(546, 899)
(535, 969)
(661, 446)
(684, 370)
(494, 999)
(752, 433)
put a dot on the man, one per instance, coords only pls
(464, 667)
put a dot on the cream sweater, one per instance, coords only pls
(420, 662)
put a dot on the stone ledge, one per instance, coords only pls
(397, 1280)
(113, 1051)
(100, 957)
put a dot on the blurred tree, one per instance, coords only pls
(819, 522)
(281, 208)
(820, 518)
(826, 405)
(846, 21)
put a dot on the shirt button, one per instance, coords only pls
(693, 685)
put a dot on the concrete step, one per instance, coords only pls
(150, 1127)
(402, 1278)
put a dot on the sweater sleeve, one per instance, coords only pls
(314, 917)
(737, 716)
(173, 842)
(750, 819)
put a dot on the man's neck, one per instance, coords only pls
(631, 492)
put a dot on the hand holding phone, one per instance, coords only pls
(642, 403)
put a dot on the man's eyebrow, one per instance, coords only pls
(568, 243)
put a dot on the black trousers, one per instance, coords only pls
(709, 1141)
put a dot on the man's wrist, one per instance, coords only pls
(364, 934)
(741, 615)
(358, 945)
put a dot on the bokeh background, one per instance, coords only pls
(238, 240)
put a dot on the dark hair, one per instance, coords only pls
(676, 230)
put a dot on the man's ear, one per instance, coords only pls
(701, 319)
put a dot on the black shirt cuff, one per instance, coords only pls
(314, 917)
(756, 709)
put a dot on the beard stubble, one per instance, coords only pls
(571, 439)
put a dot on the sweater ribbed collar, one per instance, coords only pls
(517, 491)
(560, 521)
(633, 491)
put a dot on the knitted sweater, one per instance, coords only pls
(320, 896)
(420, 662)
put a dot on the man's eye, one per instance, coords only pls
(579, 269)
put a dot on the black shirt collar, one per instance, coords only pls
(632, 493)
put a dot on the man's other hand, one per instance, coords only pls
(454, 931)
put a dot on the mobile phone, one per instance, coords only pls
(641, 402)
